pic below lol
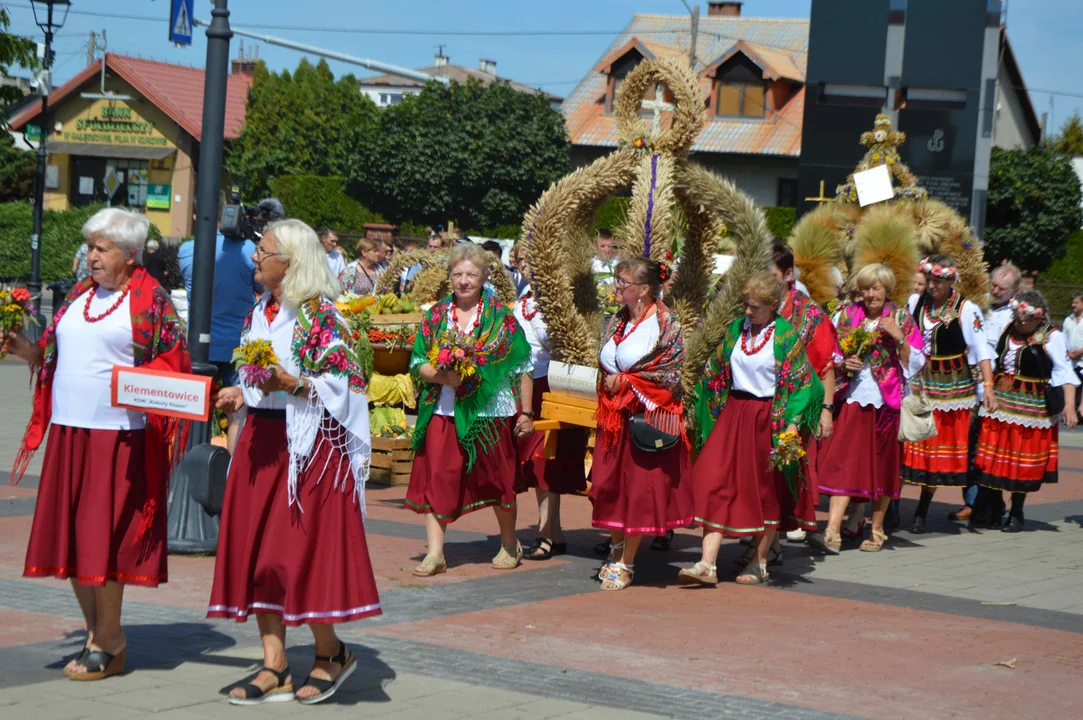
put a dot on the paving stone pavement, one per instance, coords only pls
(541, 642)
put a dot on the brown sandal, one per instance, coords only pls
(875, 543)
(826, 542)
(754, 574)
(699, 574)
(99, 665)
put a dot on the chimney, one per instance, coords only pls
(244, 64)
(724, 9)
(487, 66)
(441, 59)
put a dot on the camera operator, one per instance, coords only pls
(234, 285)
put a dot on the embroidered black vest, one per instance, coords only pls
(947, 339)
(1032, 361)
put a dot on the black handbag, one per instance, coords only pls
(648, 438)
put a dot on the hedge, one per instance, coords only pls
(780, 221)
(322, 202)
(1063, 277)
(61, 239)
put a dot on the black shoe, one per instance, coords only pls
(918, 527)
(892, 521)
(1014, 525)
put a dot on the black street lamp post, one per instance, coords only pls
(49, 26)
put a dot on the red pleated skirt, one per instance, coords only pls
(637, 492)
(565, 473)
(307, 567)
(940, 461)
(857, 461)
(439, 483)
(737, 492)
(89, 509)
(1016, 458)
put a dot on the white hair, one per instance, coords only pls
(124, 228)
(308, 275)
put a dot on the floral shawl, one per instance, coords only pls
(158, 344)
(814, 329)
(322, 351)
(884, 360)
(504, 348)
(654, 383)
(799, 393)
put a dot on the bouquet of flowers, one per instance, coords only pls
(16, 309)
(788, 452)
(857, 342)
(253, 360)
(458, 353)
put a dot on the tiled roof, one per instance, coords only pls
(458, 73)
(780, 44)
(176, 90)
(775, 64)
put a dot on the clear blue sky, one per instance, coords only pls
(1047, 35)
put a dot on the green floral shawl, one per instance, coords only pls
(799, 394)
(505, 349)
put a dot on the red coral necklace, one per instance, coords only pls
(529, 315)
(621, 335)
(746, 334)
(270, 312)
(477, 313)
(107, 313)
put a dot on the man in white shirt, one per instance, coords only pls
(335, 260)
(1003, 285)
(1073, 331)
(605, 259)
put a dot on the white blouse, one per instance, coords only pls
(280, 333)
(503, 403)
(755, 374)
(996, 319)
(536, 334)
(974, 331)
(1056, 347)
(639, 343)
(86, 354)
(863, 390)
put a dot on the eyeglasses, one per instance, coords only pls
(261, 253)
(621, 286)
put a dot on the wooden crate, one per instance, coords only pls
(391, 461)
(569, 409)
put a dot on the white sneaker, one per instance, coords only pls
(796, 536)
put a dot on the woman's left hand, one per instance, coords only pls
(827, 425)
(1071, 419)
(280, 380)
(990, 400)
(524, 426)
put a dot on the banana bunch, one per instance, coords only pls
(391, 304)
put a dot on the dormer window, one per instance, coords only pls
(741, 99)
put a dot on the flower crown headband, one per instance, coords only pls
(1024, 309)
(947, 272)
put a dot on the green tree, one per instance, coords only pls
(470, 153)
(14, 50)
(321, 202)
(297, 125)
(17, 170)
(1033, 207)
(1070, 140)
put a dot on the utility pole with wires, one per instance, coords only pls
(694, 12)
(93, 46)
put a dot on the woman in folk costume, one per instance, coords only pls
(563, 474)
(820, 340)
(291, 545)
(637, 491)
(860, 462)
(954, 334)
(757, 384)
(360, 276)
(1035, 387)
(472, 410)
(100, 518)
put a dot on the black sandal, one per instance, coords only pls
(663, 542)
(255, 695)
(99, 665)
(327, 688)
(548, 549)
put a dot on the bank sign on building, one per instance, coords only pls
(135, 145)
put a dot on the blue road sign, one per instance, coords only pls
(180, 22)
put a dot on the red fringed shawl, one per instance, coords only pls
(656, 377)
(159, 344)
(817, 332)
